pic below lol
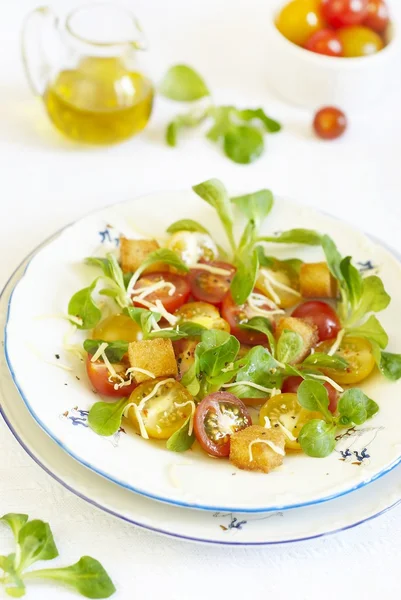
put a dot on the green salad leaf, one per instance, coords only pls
(255, 206)
(83, 307)
(371, 329)
(187, 225)
(105, 417)
(258, 367)
(289, 346)
(324, 361)
(245, 277)
(243, 144)
(163, 255)
(258, 114)
(355, 407)
(317, 438)
(262, 325)
(183, 84)
(181, 441)
(114, 351)
(313, 396)
(295, 236)
(215, 194)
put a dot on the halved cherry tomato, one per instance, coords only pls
(184, 351)
(320, 314)
(208, 287)
(192, 246)
(339, 13)
(325, 42)
(102, 381)
(276, 290)
(161, 414)
(217, 417)
(285, 409)
(359, 41)
(291, 385)
(236, 315)
(299, 19)
(170, 301)
(358, 353)
(329, 123)
(116, 328)
(378, 16)
(203, 314)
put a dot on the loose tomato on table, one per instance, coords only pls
(236, 315)
(359, 41)
(357, 352)
(210, 287)
(172, 296)
(161, 414)
(117, 328)
(378, 16)
(203, 314)
(217, 417)
(325, 41)
(102, 381)
(339, 13)
(291, 385)
(322, 315)
(329, 123)
(285, 409)
(299, 19)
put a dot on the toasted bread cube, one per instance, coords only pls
(134, 252)
(307, 331)
(257, 448)
(316, 281)
(155, 356)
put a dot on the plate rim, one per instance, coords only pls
(182, 504)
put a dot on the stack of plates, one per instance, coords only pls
(45, 398)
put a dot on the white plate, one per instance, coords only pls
(216, 528)
(51, 394)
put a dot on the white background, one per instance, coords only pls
(46, 182)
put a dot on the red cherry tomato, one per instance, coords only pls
(329, 123)
(99, 378)
(322, 315)
(236, 315)
(339, 13)
(325, 42)
(208, 287)
(291, 385)
(217, 417)
(170, 302)
(378, 16)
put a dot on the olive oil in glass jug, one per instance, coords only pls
(87, 68)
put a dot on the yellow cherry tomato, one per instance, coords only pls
(299, 19)
(116, 328)
(359, 41)
(160, 415)
(192, 246)
(285, 409)
(203, 314)
(358, 353)
(273, 284)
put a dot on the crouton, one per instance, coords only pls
(307, 331)
(155, 356)
(316, 281)
(134, 252)
(277, 286)
(257, 448)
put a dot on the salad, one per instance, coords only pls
(250, 356)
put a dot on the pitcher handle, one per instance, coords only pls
(36, 64)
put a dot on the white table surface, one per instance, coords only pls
(46, 182)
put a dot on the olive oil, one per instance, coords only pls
(99, 102)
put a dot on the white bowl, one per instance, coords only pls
(312, 80)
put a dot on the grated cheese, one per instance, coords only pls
(141, 424)
(149, 289)
(193, 408)
(251, 384)
(129, 373)
(255, 301)
(269, 287)
(267, 424)
(210, 269)
(269, 443)
(337, 343)
(287, 432)
(153, 392)
(279, 285)
(99, 352)
(328, 380)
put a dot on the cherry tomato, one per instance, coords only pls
(208, 287)
(184, 351)
(329, 123)
(285, 409)
(322, 315)
(291, 385)
(378, 16)
(192, 246)
(217, 417)
(102, 381)
(203, 314)
(325, 42)
(299, 19)
(235, 315)
(170, 301)
(277, 292)
(359, 41)
(116, 328)
(160, 414)
(339, 13)
(358, 353)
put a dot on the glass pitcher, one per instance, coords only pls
(86, 69)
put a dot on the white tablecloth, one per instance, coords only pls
(46, 182)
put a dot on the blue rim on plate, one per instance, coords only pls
(131, 488)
